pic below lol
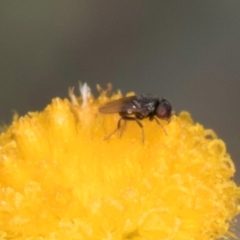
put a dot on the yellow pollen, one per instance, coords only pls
(61, 180)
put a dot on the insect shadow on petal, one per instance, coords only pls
(135, 108)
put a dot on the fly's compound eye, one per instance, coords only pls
(164, 109)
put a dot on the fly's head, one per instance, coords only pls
(164, 109)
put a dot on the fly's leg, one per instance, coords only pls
(118, 127)
(123, 127)
(161, 125)
(138, 122)
(126, 118)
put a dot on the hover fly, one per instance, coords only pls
(136, 108)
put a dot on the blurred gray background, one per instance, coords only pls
(185, 51)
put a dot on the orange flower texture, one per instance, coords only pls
(61, 180)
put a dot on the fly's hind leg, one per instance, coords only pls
(123, 127)
(126, 118)
(118, 127)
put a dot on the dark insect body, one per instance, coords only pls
(136, 108)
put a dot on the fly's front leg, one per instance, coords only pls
(161, 125)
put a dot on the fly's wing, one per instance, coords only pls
(120, 105)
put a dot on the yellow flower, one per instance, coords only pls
(61, 180)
